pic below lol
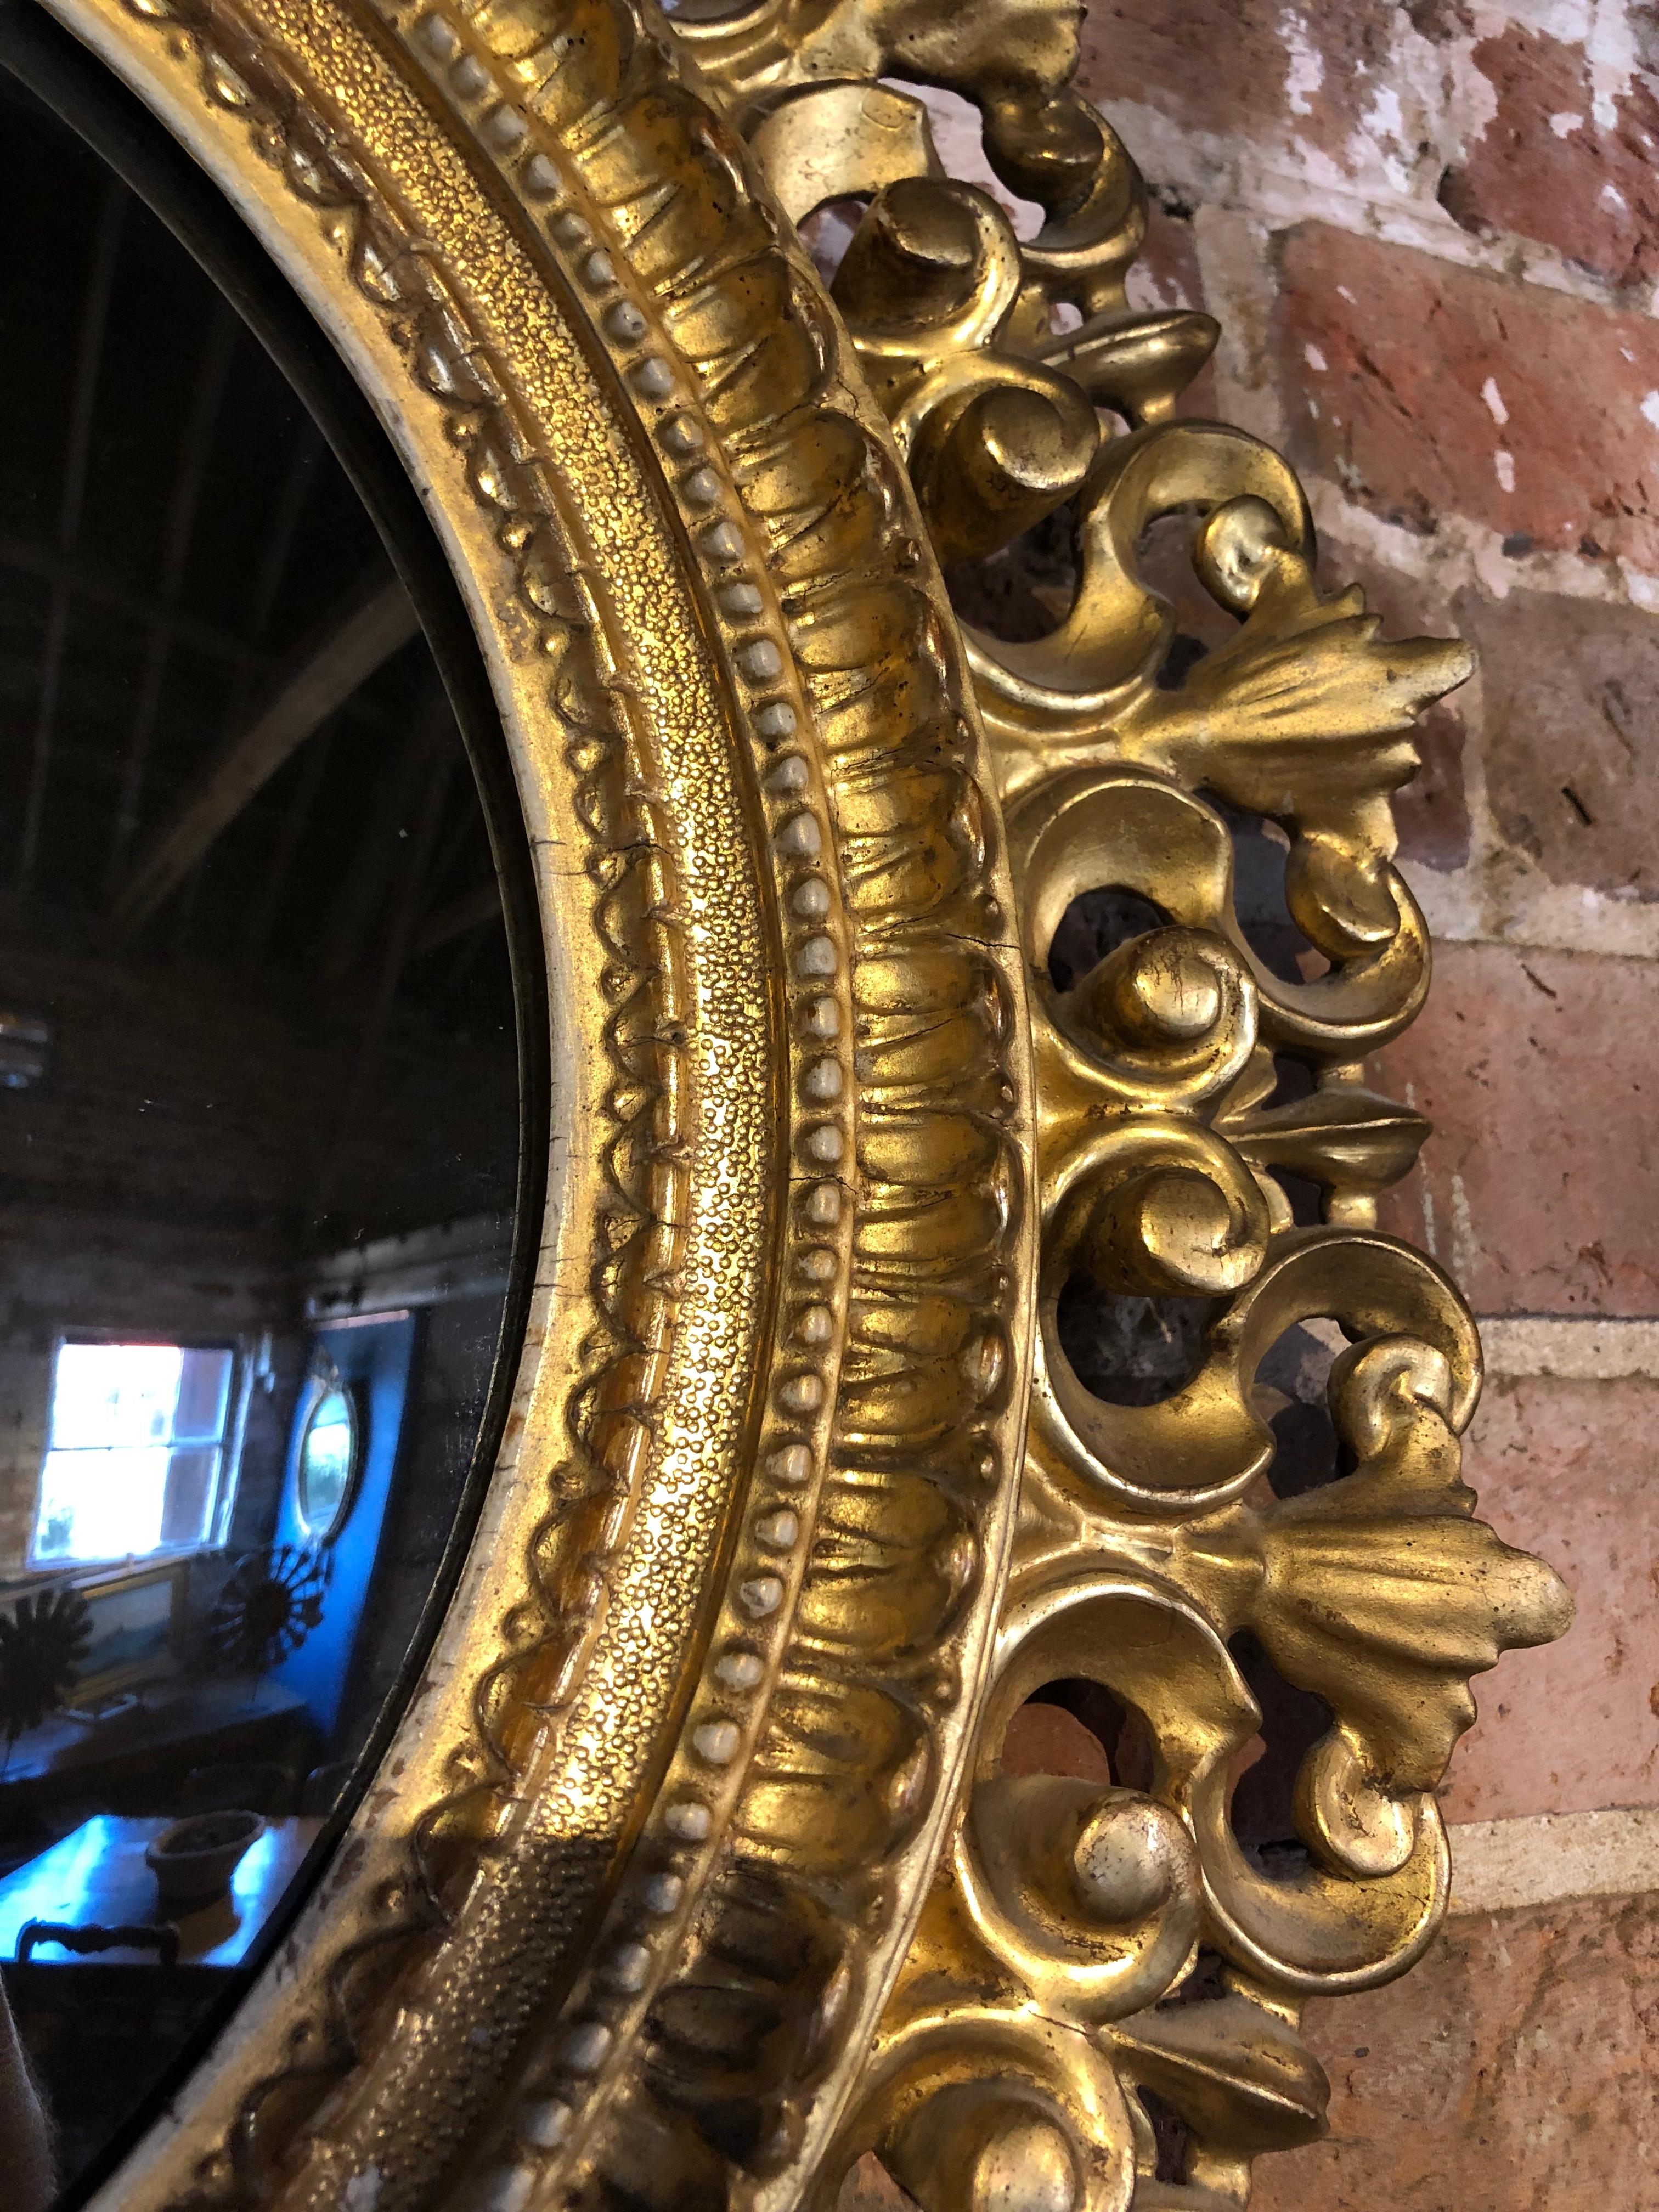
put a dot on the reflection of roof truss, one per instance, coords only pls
(473, 909)
(459, 1260)
(323, 680)
(80, 577)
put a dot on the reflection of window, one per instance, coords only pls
(135, 1451)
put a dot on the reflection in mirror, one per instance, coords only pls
(259, 1144)
(330, 1444)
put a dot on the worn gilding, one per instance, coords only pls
(693, 1872)
(1046, 2020)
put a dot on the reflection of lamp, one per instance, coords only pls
(41, 1647)
(24, 1039)
(267, 1606)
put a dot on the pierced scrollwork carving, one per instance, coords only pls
(698, 1868)
(1205, 1135)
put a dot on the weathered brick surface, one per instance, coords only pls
(1432, 813)
(1434, 229)
(1282, 74)
(1427, 390)
(1047, 1740)
(1168, 275)
(1512, 2070)
(1547, 166)
(1540, 1070)
(1571, 699)
(1565, 1469)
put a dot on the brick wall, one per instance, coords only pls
(1431, 233)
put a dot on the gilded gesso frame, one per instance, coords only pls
(690, 1873)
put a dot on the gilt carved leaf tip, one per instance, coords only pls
(909, 998)
(1047, 2023)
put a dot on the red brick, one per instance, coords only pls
(1419, 357)
(1048, 1739)
(1432, 811)
(870, 2188)
(1232, 66)
(1563, 1469)
(1539, 1186)
(1591, 191)
(1571, 693)
(1511, 2071)
(1168, 275)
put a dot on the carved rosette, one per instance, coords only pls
(1100, 2006)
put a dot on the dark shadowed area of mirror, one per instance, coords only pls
(259, 1141)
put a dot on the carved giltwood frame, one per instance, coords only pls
(691, 1873)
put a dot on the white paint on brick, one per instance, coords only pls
(1278, 184)
(1506, 901)
(1382, 124)
(1572, 21)
(1466, 1245)
(1236, 272)
(1307, 70)
(1494, 399)
(1573, 1348)
(1530, 1347)
(1650, 409)
(1463, 553)
(1314, 359)
(1501, 1866)
(1246, 193)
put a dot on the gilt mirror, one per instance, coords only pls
(331, 1445)
(716, 1487)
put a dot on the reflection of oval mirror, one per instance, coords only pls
(259, 1118)
(330, 1444)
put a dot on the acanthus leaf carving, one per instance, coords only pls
(1188, 1086)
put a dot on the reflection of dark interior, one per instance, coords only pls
(259, 1103)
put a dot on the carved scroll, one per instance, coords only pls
(1206, 1135)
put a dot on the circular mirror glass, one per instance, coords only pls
(261, 1103)
(329, 1448)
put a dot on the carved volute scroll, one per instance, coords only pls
(1046, 2044)
(899, 997)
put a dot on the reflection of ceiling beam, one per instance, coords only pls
(472, 910)
(78, 577)
(88, 364)
(319, 683)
